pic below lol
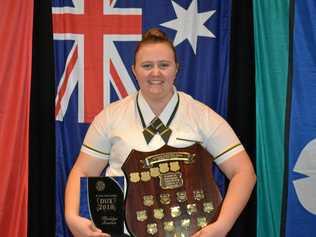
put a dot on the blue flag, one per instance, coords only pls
(300, 214)
(94, 43)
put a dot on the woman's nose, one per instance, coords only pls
(155, 71)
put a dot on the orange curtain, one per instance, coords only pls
(16, 20)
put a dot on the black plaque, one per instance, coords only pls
(104, 201)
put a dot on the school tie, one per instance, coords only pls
(156, 126)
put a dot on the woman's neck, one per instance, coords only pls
(157, 105)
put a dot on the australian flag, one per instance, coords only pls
(94, 42)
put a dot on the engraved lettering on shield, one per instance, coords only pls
(171, 180)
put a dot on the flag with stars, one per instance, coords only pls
(94, 42)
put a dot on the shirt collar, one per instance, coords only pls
(149, 115)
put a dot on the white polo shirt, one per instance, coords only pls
(118, 129)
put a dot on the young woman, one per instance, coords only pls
(121, 126)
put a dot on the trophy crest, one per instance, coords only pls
(170, 191)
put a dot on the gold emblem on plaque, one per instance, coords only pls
(208, 207)
(152, 228)
(145, 176)
(198, 195)
(148, 200)
(163, 168)
(174, 166)
(134, 177)
(181, 196)
(185, 223)
(191, 208)
(154, 172)
(165, 198)
(141, 215)
(158, 213)
(168, 226)
(175, 211)
(201, 222)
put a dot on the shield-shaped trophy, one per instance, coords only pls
(170, 191)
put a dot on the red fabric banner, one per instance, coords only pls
(16, 24)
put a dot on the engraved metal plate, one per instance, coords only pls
(171, 180)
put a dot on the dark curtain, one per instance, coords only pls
(41, 221)
(241, 107)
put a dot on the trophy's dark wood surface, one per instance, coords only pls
(196, 176)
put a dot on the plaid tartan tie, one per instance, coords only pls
(156, 126)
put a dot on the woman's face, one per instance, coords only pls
(155, 70)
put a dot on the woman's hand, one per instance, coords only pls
(82, 227)
(212, 230)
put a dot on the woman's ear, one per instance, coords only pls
(178, 67)
(133, 69)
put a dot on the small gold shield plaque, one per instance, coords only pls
(158, 213)
(152, 228)
(141, 215)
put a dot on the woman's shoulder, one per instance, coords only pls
(193, 103)
(119, 107)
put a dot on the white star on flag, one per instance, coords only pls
(189, 24)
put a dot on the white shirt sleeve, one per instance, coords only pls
(96, 142)
(221, 142)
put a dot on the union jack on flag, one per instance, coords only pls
(93, 62)
(94, 42)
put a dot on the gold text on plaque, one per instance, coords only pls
(163, 167)
(145, 176)
(185, 223)
(198, 195)
(165, 198)
(171, 180)
(141, 215)
(148, 200)
(174, 166)
(158, 213)
(154, 172)
(152, 228)
(134, 177)
(181, 196)
(175, 211)
(208, 207)
(201, 222)
(168, 226)
(167, 157)
(191, 208)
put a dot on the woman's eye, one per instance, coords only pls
(163, 65)
(146, 66)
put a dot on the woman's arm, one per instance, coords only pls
(84, 166)
(240, 172)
